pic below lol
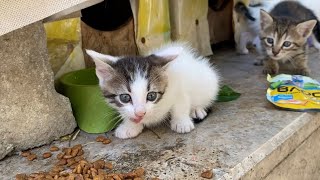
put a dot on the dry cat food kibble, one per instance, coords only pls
(208, 174)
(29, 155)
(108, 165)
(100, 138)
(71, 165)
(60, 155)
(25, 153)
(54, 148)
(106, 141)
(103, 139)
(47, 155)
(32, 157)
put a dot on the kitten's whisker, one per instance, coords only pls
(116, 117)
(108, 113)
(114, 120)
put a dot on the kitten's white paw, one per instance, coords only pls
(243, 51)
(125, 131)
(182, 126)
(258, 62)
(198, 113)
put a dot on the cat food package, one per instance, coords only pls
(294, 92)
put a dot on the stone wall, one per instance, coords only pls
(32, 113)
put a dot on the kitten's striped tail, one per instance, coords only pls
(241, 8)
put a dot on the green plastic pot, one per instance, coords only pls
(92, 113)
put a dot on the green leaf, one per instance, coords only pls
(227, 94)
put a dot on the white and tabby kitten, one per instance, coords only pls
(172, 81)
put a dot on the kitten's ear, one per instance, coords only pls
(102, 57)
(168, 54)
(161, 60)
(265, 19)
(104, 71)
(305, 28)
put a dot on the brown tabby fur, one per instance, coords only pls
(288, 21)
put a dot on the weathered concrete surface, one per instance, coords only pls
(269, 155)
(229, 136)
(275, 151)
(31, 112)
(303, 163)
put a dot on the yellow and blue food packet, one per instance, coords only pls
(294, 92)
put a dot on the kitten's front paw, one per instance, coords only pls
(125, 131)
(304, 72)
(258, 62)
(243, 51)
(182, 126)
(198, 113)
(268, 70)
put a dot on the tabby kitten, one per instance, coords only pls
(284, 33)
(146, 89)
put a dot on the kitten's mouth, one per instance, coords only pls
(276, 57)
(137, 119)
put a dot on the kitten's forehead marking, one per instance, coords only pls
(130, 66)
(139, 90)
(138, 75)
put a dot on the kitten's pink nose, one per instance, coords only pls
(275, 53)
(140, 113)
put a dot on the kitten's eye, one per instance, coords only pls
(287, 44)
(125, 98)
(151, 96)
(270, 40)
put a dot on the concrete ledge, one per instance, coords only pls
(302, 163)
(266, 158)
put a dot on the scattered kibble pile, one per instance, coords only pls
(71, 165)
(30, 156)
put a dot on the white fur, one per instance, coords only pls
(139, 99)
(193, 84)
